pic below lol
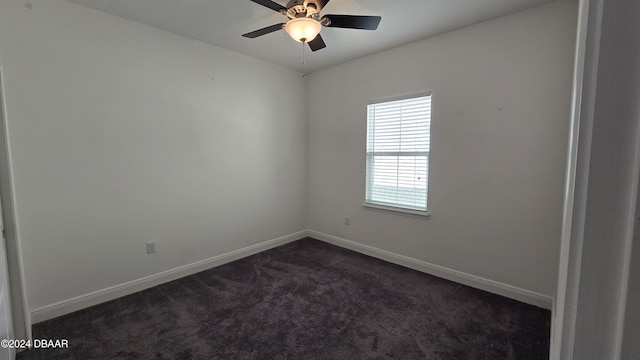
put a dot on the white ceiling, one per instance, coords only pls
(222, 22)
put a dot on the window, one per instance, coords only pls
(398, 142)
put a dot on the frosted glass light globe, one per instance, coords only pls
(303, 29)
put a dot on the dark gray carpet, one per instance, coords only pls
(304, 300)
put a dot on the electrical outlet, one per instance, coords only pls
(151, 247)
(347, 221)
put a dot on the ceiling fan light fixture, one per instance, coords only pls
(303, 29)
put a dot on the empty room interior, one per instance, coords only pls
(185, 180)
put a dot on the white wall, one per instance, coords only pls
(122, 134)
(501, 102)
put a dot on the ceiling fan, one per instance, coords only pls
(305, 21)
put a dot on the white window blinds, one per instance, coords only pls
(398, 142)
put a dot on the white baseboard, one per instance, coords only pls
(94, 298)
(474, 281)
(97, 297)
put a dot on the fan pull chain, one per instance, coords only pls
(303, 59)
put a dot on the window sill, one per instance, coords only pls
(423, 214)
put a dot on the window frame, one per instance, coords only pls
(368, 169)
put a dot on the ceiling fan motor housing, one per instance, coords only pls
(301, 8)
